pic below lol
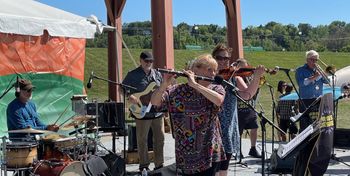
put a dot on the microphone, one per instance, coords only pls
(220, 80)
(17, 87)
(296, 117)
(285, 69)
(179, 73)
(343, 95)
(89, 84)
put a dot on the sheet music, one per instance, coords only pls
(285, 149)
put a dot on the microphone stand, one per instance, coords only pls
(273, 114)
(6, 91)
(296, 90)
(263, 121)
(126, 89)
(124, 86)
(335, 109)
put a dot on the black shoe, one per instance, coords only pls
(254, 153)
(156, 168)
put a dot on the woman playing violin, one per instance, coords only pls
(228, 115)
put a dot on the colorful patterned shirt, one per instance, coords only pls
(196, 127)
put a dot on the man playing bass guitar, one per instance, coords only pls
(144, 78)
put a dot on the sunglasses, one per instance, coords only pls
(148, 61)
(222, 58)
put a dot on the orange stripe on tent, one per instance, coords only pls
(42, 54)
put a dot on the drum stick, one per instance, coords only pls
(66, 121)
(61, 114)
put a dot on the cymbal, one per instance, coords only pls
(76, 121)
(71, 125)
(82, 119)
(67, 127)
(29, 130)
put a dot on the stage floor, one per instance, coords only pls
(254, 164)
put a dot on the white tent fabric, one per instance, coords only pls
(29, 17)
(342, 76)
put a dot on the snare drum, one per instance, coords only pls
(21, 154)
(58, 168)
(66, 143)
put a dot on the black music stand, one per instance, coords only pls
(263, 121)
(125, 90)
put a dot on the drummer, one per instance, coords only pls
(21, 112)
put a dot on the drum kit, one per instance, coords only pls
(52, 154)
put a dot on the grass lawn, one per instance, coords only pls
(96, 60)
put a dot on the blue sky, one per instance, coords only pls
(254, 12)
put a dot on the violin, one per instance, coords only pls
(231, 71)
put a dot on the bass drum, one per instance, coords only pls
(58, 168)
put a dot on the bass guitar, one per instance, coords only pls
(144, 98)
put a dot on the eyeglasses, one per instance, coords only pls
(28, 90)
(313, 59)
(222, 58)
(148, 61)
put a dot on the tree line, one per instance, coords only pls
(272, 37)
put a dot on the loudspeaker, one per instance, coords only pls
(281, 166)
(132, 141)
(341, 137)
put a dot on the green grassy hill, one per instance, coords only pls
(96, 60)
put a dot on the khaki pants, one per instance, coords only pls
(142, 129)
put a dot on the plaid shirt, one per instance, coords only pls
(287, 108)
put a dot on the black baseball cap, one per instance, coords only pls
(146, 55)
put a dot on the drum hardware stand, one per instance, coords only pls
(125, 89)
(263, 121)
(4, 160)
